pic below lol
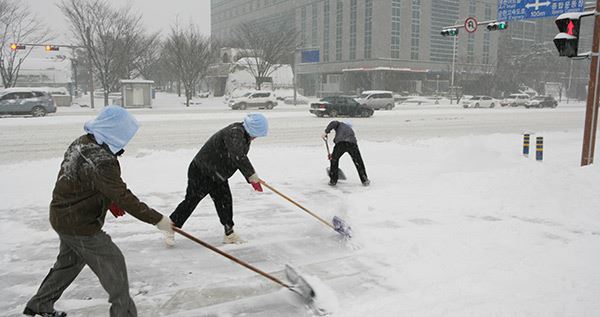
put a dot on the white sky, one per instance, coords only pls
(158, 15)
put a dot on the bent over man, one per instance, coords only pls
(219, 158)
(345, 141)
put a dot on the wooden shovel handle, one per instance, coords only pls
(231, 257)
(297, 204)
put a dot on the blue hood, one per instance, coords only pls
(256, 125)
(114, 127)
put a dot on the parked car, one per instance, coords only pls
(257, 99)
(377, 99)
(26, 101)
(300, 100)
(339, 106)
(542, 102)
(480, 101)
(515, 100)
(419, 100)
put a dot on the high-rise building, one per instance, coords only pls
(372, 44)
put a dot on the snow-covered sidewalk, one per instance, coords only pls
(450, 226)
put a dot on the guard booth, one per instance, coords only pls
(136, 93)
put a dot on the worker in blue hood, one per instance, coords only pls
(89, 185)
(220, 157)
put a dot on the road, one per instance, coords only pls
(177, 127)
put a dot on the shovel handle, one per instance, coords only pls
(327, 146)
(230, 257)
(297, 204)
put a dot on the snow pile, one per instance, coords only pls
(450, 226)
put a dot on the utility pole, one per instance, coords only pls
(453, 62)
(570, 80)
(593, 97)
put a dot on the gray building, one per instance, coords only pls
(373, 44)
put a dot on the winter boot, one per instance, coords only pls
(169, 238)
(29, 312)
(366, 183)
(332, 183)
(233, 238)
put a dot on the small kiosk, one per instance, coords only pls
(136, 93)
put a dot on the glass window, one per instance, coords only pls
(368, 28)
(396, 27)
(339, 19)
(326, 14)
(353, 15)
(415, 29)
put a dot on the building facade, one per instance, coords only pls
(373, 44)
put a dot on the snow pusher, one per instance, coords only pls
(297, 284)
(338, 225)
(341, 175)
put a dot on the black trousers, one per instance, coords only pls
(200, 185)
(351, 148)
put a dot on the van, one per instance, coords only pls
(377, 99)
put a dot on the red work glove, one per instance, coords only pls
(257, 187)
(255, 182)
(116, 210)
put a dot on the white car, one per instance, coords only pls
(257, 99)
(377, 99)
(515, 100)
(480, 102)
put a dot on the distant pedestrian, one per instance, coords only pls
(345, 141)
(220, 157)
(89, 184)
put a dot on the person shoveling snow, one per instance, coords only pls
(89, 184)
(219, 158)
(345, 141)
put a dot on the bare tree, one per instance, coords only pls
(110, 37)
(17, 25)
(146, 56)
(264, 49)
(188, 52)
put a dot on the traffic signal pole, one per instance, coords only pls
(593, 97)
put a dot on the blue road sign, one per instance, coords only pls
(532, 9)
(311, 56)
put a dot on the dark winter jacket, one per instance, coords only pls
(88, 181)
(343, 132)
(224, 153)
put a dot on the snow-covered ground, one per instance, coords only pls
(456, 221)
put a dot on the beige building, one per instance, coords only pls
(372, 44)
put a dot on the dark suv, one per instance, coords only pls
(542, 102)
(339, 106)
(25, 101)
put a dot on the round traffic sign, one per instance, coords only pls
(470, 25)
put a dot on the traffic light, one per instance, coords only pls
(450, 32)
(15, 46)
(494, 26)
(50, 48)
(567, 41)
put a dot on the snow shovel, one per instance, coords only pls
(298, 283)
(341, 175)
(338, 225)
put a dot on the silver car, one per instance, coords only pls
(34, 102)
(377, 99)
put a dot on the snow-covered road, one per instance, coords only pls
(455, 223)
(169, 127)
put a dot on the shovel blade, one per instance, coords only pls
(299, 285)
(341, 175)
(341, 227)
